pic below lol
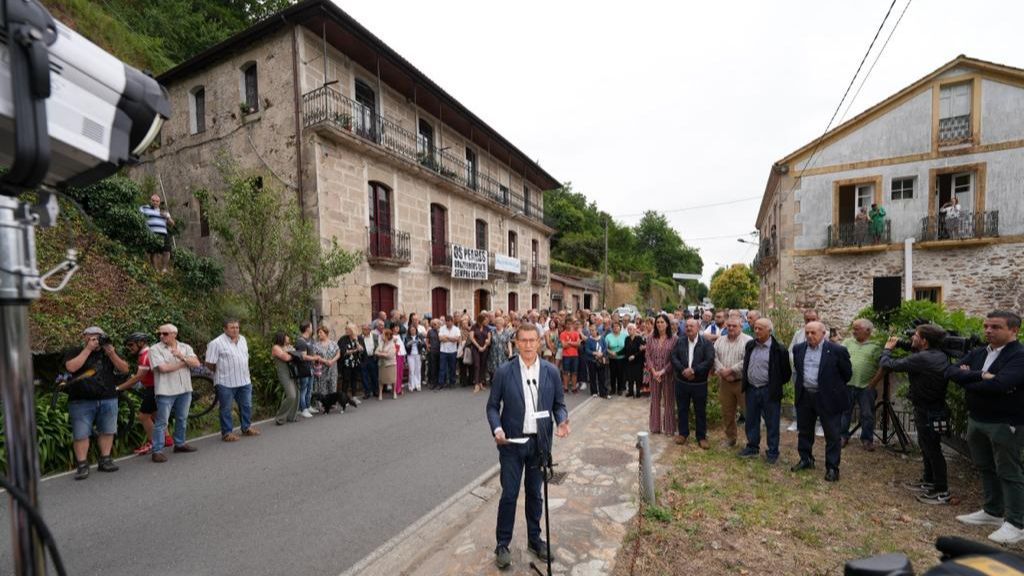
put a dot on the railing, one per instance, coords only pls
(853, 234)
(966, 226)
(440, 257)
(388, 247)
(955, 130)
(539, 275)
(327, 105)
(767, 254)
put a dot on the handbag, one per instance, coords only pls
(467, 356)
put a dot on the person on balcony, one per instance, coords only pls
(950, 218)
(877, 216)
(860, 226)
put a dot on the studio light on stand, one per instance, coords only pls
(70, 115)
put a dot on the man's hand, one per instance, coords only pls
(563, 429)
(688, 373)
(726, 373)
(891, 343)
(109, 349)
(93, 344)
(987, 375)
(499, 438)
(965, 368)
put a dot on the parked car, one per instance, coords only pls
(628, 311)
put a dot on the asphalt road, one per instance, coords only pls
(309, 498)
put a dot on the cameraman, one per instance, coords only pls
(993, 380)
(92, 398)
(926, 370)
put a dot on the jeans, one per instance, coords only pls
(930, 444)
(995, 450)
(808, 410)
(242, 395)
(760, 405)
(864, 398)
(447, 374)
(514, 458)
(698, 393)
(84, 414)
(305, 392)
(164, 404)
(369, 371)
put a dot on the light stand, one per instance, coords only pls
(547, 472)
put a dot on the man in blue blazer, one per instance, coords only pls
(822, 371)
(692, 360)
(526, 401)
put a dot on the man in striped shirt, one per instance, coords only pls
(158, 220)
(729, 353)
(228, 356)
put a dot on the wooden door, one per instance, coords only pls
(438, 233)
(380, 220)
(383, 297)
(439, 302)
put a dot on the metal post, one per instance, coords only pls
(647, 494)
(604, 280)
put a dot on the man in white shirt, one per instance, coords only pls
(227, 356)
(171, 362)
(449, 335)
(717, 328)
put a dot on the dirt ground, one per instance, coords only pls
(720, 514)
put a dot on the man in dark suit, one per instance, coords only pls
(692, 360)
(766, 370)
(526, 400)
(822, 371)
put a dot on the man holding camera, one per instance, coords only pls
(92, 398)
(993, 379)
(926, 370)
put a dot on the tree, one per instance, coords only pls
(661, 245)
(735, 287)
(278, 254)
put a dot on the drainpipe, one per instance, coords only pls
(908, 269)
(298, 120)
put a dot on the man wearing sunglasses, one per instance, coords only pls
(171, 362)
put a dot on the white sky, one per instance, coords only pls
(672, 105)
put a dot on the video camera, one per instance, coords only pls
(953, 345)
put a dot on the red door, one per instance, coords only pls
(481, 302)
(380, 220)
(513, 302)
(438, 234)
(439, 302)
(382, 297)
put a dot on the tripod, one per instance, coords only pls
(888, 418)
(547, 471)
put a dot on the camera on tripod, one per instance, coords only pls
(953, 345)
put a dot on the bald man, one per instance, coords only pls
(822, 371)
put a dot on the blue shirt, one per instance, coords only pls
(812, 364)
(757, 371)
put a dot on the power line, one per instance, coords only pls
(688, 208)
(723, 237)
(877, 57)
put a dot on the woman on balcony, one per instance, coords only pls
(877, 216)
(659, 363)
(950, 218)
(480, 340)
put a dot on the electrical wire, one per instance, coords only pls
(42, 530)
(877, 57)
(697, 207)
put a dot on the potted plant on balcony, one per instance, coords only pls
(344, 120)
(246, 109)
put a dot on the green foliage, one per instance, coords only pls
(566, 269)
(785, 317)
(266, 391)
(734, 288)
(278, 253)
(199, 274)
(658, 242)
(113, 204)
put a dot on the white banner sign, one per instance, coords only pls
(469, 263)
(504, 263)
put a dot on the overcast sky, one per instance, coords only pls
(670, 105)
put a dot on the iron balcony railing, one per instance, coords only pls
(440, 257)
(327, 105)
(767, 254)
(539, 275)
(966, 226)
(853, 234)
(388, 247)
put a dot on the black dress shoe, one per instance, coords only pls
(503, 557)
(802, 465)
(539, 549)
(832, 475)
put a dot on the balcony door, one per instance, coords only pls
(439, 302)
(513, 302)
(481, 301)
(438, 233)
(960, 184)
(365, 114)
(852, 199)
(380, 220)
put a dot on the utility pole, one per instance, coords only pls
(604, 283)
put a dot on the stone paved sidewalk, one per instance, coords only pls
(590, 508)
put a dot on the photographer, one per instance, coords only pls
(92, 398)
(926, 370)
(993, 380)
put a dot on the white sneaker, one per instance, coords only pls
(1007, 534)
(306, 413)
(792, 427)
(819, 431)
(313, 410)
(980, 518)
(356, 401)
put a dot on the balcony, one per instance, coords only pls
(327, 106)
(858, 237)
(539, 275)
(969, 227)
(767, 255)
(440, 257)
(387, 247)
(955, 130)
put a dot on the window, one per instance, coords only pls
(481, 235)
(535, 301)
(526, 200)
(197, 110)
(503, 191)
(365, 111)
(955, 114)
(204, 221)
(534, 253)
(929, 293)
(962, 183)
(470, 168)
(380, 220)
(250, 88)
(902, 188)
(865, 196)
(425, 139)
(513, 241)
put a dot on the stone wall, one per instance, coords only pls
(974, 279)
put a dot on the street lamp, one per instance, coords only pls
(743, 241)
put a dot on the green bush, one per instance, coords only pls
(113, 204)
(266, 391)
(199, 273)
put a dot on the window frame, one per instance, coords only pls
(903, 193)
(250, 67)
(974, 81)
(934, 288)
(513, 244)
(485, 239)
(197, 117)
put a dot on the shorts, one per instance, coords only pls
(570, 365)
(165, 244)
(148, 401)
(86, 414)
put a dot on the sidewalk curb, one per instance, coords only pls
(418, 550)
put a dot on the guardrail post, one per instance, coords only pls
(647, 494)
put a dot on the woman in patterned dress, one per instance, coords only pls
(325, 385)
(501, 347)
(659, 364)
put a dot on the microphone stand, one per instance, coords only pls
(546, 469)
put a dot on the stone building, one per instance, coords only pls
(570, 293)
(374, 152)
(956, 133)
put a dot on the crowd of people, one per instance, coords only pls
(668, 358)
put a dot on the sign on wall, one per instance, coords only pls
(508, 264)
(469, 263)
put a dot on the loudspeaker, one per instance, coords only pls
(887, 293)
